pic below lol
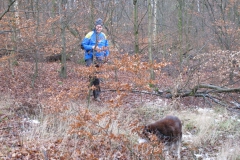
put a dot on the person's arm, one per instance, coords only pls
(86, 42)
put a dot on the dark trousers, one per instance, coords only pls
(97, 62)
(89, 62)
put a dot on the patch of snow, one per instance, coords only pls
(141, 140)
(205, 110)
(230, 136)
(187, 137)
(32, 121)
(198, 156)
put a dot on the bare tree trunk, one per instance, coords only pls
(155, 2)
(14, 26)
(136, 45)
(180, 28)
(53, 14)
(150, 32)
(63, 72)
(187, 30)
(32, 8)
(163, 27)
(35, 75)
(237, 13)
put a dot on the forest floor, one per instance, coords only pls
(40, 118)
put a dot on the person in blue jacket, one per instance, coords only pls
(95, 45)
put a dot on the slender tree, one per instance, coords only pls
(155, 11)
(15, 34)
(150, 32)
(62, 11)
(136, 41)
(36, 46)
(180, 28)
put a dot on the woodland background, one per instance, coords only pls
(167, 57)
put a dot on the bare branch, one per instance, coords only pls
(217, 89)
(206, 91)
(7, 10)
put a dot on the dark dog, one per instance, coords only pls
(94, 81)
(168, 131)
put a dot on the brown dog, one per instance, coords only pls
(169, 132)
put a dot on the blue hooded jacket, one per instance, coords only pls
(90, 40)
